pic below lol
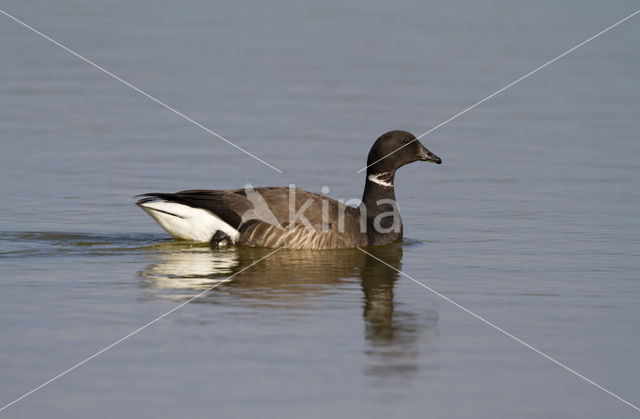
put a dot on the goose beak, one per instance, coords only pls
(426, 155)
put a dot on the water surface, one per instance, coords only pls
(531, 222)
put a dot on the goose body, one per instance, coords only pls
(293, 217)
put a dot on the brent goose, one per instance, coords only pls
(292, 217)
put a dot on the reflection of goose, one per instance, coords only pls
(190, 269)
(392, 333)
(299, 279)
(286, 278)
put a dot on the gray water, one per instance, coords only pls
(531, 222)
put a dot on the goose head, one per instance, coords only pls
(394, 149)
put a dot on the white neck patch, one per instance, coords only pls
(379, 179)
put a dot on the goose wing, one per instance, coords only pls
(277, 216)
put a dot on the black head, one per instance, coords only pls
(395, 149)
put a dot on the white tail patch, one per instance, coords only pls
(188, 223)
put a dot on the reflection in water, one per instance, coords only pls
(190, 269)
(298, 279)
(392, 333)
